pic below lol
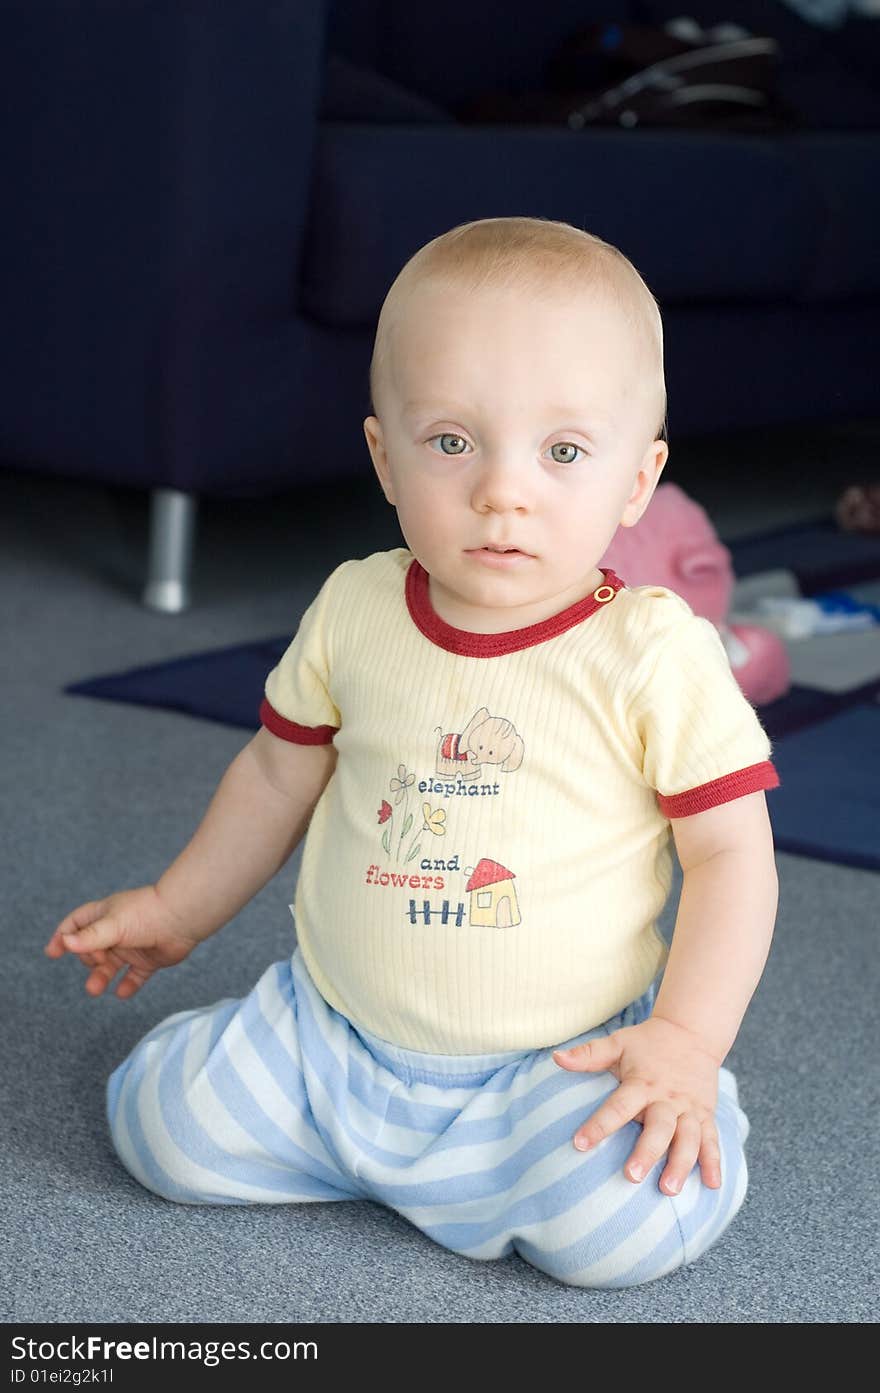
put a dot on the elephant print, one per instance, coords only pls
(485, 740)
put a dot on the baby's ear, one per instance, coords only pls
(375, 436)
(376, 446)
(645, 483)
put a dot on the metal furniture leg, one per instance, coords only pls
(172, 533)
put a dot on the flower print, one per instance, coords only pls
(399, 788)
(434, 821)
(402, 782)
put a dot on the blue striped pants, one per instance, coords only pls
(277, 1098)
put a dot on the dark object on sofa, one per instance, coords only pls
(206, 204)
(643, 75)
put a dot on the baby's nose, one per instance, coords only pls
(501, 486)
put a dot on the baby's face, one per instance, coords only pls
(512, 420)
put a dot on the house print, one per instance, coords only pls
(493, 897)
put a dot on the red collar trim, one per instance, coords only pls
(426, 619)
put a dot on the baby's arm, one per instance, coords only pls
(253, 824)
(668, 1065)
(726, 916)
(255, 821)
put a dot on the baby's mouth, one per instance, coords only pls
(511, 552)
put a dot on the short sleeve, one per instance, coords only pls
(297, 704)
(702, 741)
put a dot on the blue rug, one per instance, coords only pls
(826, 742)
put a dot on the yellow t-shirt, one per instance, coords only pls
(485, 868)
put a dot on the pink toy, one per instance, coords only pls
(674, 544)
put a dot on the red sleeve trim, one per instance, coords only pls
(723, 790)
(289, 730)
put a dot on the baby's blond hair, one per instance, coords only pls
(535, 254)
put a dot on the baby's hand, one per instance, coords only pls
(132, 931)
(669, 1083)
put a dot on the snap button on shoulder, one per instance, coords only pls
(604, 594)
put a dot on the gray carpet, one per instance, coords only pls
(97, 796)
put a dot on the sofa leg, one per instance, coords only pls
(172, 532)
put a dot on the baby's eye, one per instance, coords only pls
(450, 444)
(564, 452)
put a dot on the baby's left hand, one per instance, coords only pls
(669, 1083)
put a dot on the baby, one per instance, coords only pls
(492, 742)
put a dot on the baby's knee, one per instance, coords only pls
(660, 1240)
(151, 1127)
(622, 1234)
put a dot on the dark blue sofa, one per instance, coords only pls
(207, 199)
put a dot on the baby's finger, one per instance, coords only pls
(100, 977)
(105, 966)
(601, 1053)
(623, 1105)
(682, 1154)
(78, 918)
(132, 982)
(104, 933)
(657, 1132)
(710, 1156)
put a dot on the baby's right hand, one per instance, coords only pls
(133, 932)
